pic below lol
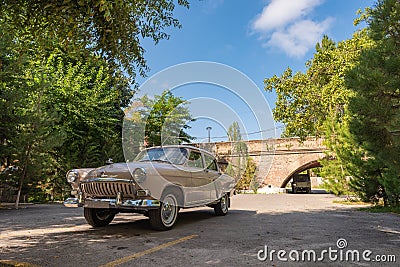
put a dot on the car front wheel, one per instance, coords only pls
(98, 217)
(165, 216)
(221, 208)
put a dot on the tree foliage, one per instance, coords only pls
(315, 103)
(63, 84)
(239, 155)
(160, 120)
(60, 112)
(89, 100)
(342, 158)
(248, 179)
(234, 133)
(350, 95)
(306, 100)
(375, 107)
(112, 29)
(166, 117)
(12, 92)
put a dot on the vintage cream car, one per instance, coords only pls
(157, 183)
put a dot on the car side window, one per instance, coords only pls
(195, 160)
(210, 163)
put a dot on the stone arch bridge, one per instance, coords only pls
(276, 159)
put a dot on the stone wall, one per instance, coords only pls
(276, 159)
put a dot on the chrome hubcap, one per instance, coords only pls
(168, 210)
(224, 204)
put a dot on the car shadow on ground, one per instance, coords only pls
(135, 224)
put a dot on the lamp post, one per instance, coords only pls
(209, 133)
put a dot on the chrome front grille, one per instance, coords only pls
(107, 189)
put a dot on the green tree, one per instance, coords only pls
(375, 107)
(244, 182)
(89, 99)
(61, 112)
(33, 132)
(24, 129)
(63, 84)
(306, 101)
(238, 163)
(248, 179)
(336, 171)
(348, 167)
(315, 103)
(234, 133)
(12, 93)
(166, 118)
(36, 140)
(112, 29)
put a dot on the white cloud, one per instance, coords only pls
(299, 37)
(286, 25)
(281, 12)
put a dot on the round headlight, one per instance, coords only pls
(139, 174)
(72, 176)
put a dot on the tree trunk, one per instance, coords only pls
(23, 176)
(21, 181)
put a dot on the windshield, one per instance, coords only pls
(174, 155)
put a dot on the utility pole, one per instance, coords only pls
(209, 133)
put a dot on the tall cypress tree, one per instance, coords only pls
(375, 108)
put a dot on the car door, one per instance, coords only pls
(213, 173)
(199, 192)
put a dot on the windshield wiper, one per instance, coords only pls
(158, 160)
(161, 160)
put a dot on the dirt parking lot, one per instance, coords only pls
(260, 230)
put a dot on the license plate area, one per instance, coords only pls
(97, 204)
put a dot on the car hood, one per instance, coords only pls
(124, 170)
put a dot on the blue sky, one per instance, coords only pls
(259, 38)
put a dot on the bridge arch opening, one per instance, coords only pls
(307, 166)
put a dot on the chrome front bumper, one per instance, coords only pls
(138, 204)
